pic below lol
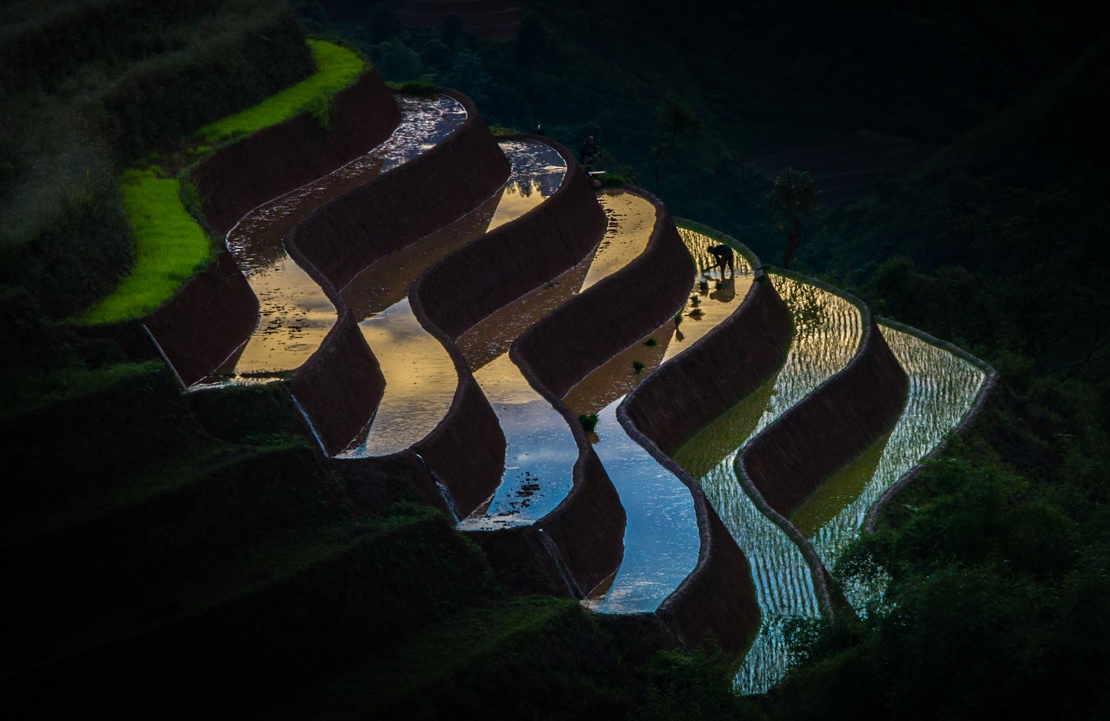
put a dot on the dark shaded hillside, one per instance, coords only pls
(87, 87)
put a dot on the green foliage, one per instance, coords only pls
(170, 248)
(336, 68)
(588, 421)
(612, 180)
(419, 88)
(637, 367)
(651, 342)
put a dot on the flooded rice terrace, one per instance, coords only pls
(661, 538)
(294, 312)
(540, 448)
(828, 330)
(420, 376)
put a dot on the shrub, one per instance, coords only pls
(588, 421)
(637, 366)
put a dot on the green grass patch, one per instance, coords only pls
(336, 67)
(170, 246)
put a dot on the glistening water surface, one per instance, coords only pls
(661, 538)
(420, 377)
(540, 449)
(828, 330)
(295, 313)
(943, 388)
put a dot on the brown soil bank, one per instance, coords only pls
(405, 204)
(508, 262)
(585, 332)
(205, 321)
(837, 422)
(275, 160)
(718, 598)
(340, 386)
(730, 362)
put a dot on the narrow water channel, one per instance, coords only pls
(540, 448)
(294, 312)
(420, 377)
(828, 330)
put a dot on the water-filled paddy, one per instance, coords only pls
(541, 450)
(943, 388)
(828, 330)
(294, 312)
(661, 536)
(420, 377)
(420, 382)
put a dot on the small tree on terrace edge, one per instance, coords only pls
(793, 198)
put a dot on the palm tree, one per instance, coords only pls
(793, 198)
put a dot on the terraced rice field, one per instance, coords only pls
(421, 378)
(661, 539)
(294, 312)
(942, 389)
(541, 451)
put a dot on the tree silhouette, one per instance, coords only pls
(793, 198)
(676, 119)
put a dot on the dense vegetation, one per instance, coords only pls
(995, 562)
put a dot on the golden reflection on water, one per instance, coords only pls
(420, 381)
(294, 317)
(717, 296)
(294, 312)
(631, 221)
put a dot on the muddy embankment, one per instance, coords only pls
(275, 160)
(839, 420)
(205, 321)
(208, 318)
(508, 262)
(581, 543)
(719, 596)
(459, 464)
(340, 388)
(406, 203)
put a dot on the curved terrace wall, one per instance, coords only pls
(671, 404)
(608, 317)
(871, 520)
(517, 257)
(582, 539)
(340, 386)
(731, 361)
(834, 424)
(406, 203)
(205, 321)
(243, 175)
